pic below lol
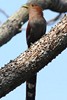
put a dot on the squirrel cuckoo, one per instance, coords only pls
(36, 28)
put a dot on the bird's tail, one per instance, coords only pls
(31, 88)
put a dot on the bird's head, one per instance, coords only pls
(34, 9)
(30, 5)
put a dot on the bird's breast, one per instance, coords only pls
(38, 27)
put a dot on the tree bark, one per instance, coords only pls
(17, 71)
(13, 25)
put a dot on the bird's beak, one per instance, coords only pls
(25, 6)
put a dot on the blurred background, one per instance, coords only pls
(51, 80)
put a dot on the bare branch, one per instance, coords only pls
(34, 59)
(13, 25)
(4, 13)
(52, 21)
(54, 5)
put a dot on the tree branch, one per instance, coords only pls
(53, 20)
(34, 59)
(4, 13)
(59, 6)
(54, 5)
(12, 26)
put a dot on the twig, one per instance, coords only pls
(52, 21)
(4, 13)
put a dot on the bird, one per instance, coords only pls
(36, 28)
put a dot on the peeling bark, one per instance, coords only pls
(17, 71)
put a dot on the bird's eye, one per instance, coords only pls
(32, 5)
